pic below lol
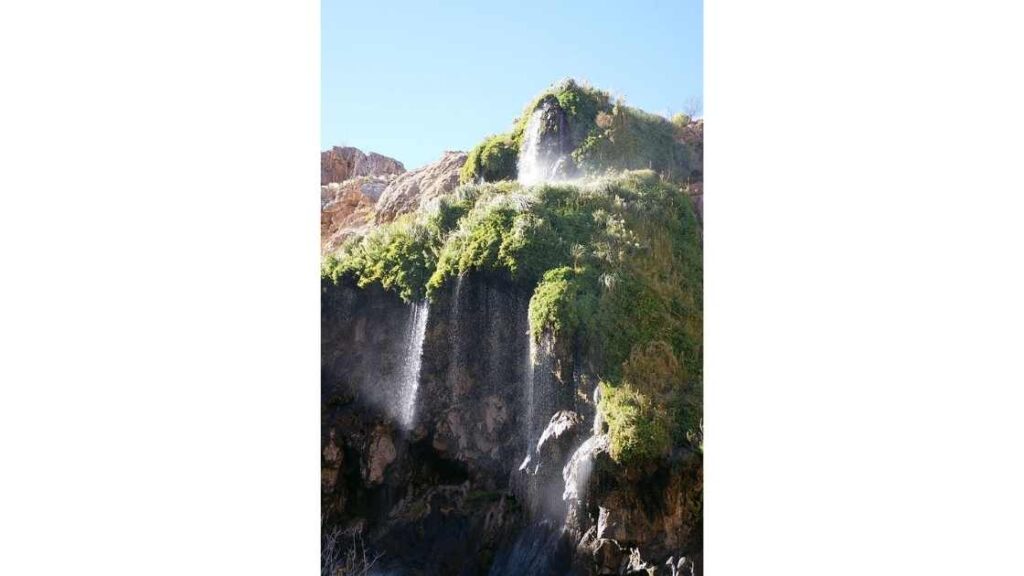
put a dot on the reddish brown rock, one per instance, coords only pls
(417, 187)
(346, 209)
(344, 162)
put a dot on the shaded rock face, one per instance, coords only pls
(435, 498)
(418, 187)
(346, 209)
(449, 494)
(472, 385)
(693, 136)
(344, 162)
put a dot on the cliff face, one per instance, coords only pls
(432, 495)
(341, 163)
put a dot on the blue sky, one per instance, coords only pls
(411, 79)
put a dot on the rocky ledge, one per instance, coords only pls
(344, 162)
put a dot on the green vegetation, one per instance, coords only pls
(655, 406)
(631, 139)
(638, 426)
(615, 265)
(492, 160)
(399, 257)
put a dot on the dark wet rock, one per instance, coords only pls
(446, 495)
(608, 557)
(556, 440)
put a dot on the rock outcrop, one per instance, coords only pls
(418, 187)
(346, 208)
(344, 162)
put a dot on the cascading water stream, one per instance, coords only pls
(409, 376)
(543, 156)
(528, 378)
(532, 169)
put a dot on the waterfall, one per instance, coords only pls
(543, 161)
(409, 377)
(528, 379)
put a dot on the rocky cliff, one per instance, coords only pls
(343, 162)
(348, 208)
(416, 188)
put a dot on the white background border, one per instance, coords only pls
(159, 322)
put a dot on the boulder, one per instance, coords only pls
(557, 440)
(380, 453)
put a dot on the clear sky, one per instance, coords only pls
(410, 79)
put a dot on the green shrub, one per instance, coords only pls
(638, 427)
(399, 257)
(634, 140)
(451, 209)
(491, 160)
(560, 302)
